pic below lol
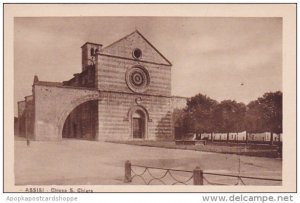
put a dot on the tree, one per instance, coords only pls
(271, 105)
(229, 117)
(204, 115)
(254, 120)
(240, 117)
(199, 114)
(265, 114)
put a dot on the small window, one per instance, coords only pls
(137, 53)
(92, 52)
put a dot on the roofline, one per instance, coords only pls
(154, 48)
(169, 63)
(118, 40)
(91, 43)
(66, 86)
(110, 91)
(43, 81)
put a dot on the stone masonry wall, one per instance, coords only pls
(52, 106)
(29, 113)
(21, 119)
(115, 122)
(21, 108)
(115, 60)
(111, 75)
(125, 46)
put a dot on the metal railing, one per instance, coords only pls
(196, 177)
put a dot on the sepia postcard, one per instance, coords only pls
(149, 98)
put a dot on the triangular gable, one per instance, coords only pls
(124, 47)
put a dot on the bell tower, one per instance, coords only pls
(88, 53)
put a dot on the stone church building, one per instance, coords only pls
(123, 92)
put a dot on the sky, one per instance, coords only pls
(212, 56)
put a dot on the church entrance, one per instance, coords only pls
(138, 125)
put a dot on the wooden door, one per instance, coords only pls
(137, 125)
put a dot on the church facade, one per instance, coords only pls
(122, 93)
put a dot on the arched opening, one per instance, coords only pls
(138, 124)
(82, 122)
(92, 52)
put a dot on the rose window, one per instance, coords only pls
(137, 79)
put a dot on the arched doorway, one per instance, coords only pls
(138, 124)
(82, 122)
